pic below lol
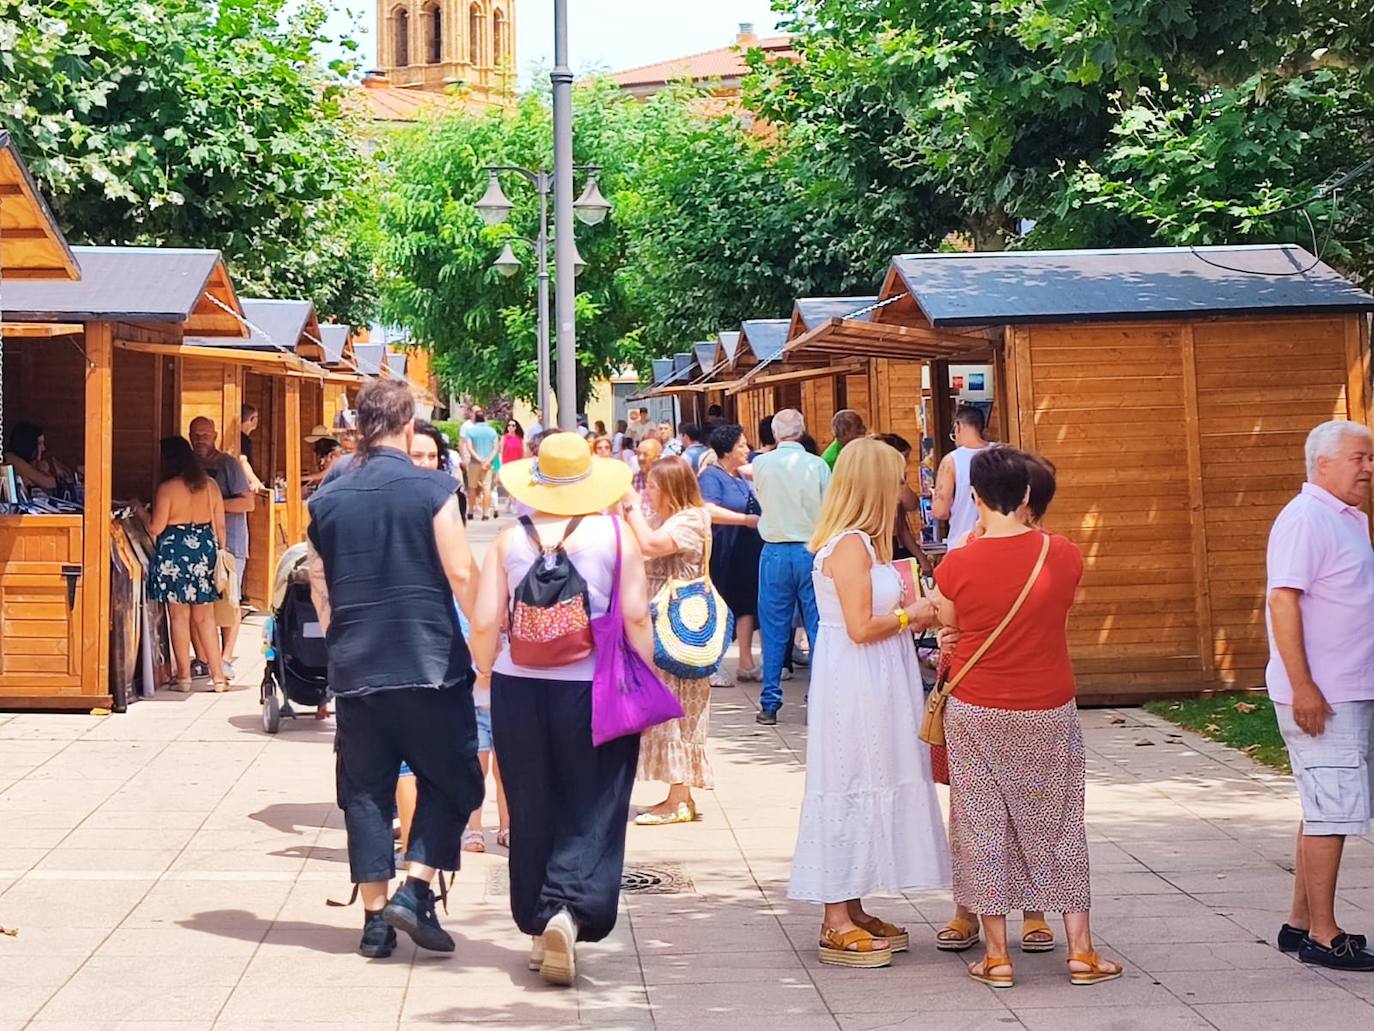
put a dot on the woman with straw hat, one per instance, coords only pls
(568, 798)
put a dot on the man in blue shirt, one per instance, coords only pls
(387, 557)
(480, 444)
(227, 472)
(693, 445)
(790, 483)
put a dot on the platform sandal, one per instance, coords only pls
(856, 948)
(959, 935)
(982, 971)
(221, 685)
(897, 938)
(1043, 940)
(1101, 969)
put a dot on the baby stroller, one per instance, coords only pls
(297, 662)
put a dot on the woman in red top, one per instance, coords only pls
(1016, 763)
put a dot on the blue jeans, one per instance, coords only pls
(784, 583)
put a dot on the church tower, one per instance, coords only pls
(431, 45)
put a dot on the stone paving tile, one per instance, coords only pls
(168, 870)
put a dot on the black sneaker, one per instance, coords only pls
(1291, 939)
(767, 717)
(199, 669)
(379, 940)
(1343, 954)
(411, 910)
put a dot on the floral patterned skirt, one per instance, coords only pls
(1016, 785)
(675, 752)
(184, 567)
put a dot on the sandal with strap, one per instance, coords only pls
(474, 841)
(1102, 969)
(897, 938)
(856, 948)
(959, 935)
(982, 971)
(1036, 936)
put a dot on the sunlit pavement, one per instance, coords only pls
(168, 869)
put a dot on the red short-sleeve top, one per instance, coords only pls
(1028, 666)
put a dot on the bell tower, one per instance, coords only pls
(463, 46)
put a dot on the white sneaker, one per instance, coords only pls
(719, 679)
(536, 959)
(229, 670)
(560, 944)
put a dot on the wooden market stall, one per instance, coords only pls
(85, 361)
(343, 376)
(1173, 388)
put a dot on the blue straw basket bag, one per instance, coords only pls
(692, 625)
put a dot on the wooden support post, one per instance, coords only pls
(941, 409)
(1025, 387)
(95, 556)
(295, 502)
(1197, 514)
(1002, 391)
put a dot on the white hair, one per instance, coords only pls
(1325, 440)
(788, 424)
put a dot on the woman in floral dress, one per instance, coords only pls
(188, 522)
(673, 541)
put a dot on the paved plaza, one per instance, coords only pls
(168, 869)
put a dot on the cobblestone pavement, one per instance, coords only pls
(168, 869)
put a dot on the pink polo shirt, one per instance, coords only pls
(1320, 546)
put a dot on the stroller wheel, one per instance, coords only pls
(271, 709)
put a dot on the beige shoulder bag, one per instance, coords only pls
(933, 723)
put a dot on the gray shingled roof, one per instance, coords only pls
(1016, 287)
(815, 310)
(766, 337)
(333, 338)
(135, 284)
(705, 352)
(275, 325)
(370, 358)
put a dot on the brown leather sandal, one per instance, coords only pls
(1102, 969)
(1036, 936)
(856, 948)
(959, 935)
(982, 971)
(898, 940)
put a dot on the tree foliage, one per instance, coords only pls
(205, 123)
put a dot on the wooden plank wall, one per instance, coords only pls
(215, 390)
(40, 636)
(1106, 404)
(857, 397)
(818, 406)
(1262, 386)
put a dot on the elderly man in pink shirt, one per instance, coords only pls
(1321, 678)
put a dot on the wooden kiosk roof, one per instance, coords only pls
(31, 243)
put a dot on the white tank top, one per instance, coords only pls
(963, 515)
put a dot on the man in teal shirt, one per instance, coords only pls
(790, 484)
(479, 441)
(847, 425)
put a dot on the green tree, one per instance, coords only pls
(205, 123)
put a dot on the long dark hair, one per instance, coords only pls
(385, 406)
(23, 441)
(519, 430)
(179, 462)
(424, 427)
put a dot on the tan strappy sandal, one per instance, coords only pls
(856, 948)
(897, 938)
(959, 935)
(982, 971)
(1101, 969)
(1036, 936)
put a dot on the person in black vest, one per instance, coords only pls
(388, 554)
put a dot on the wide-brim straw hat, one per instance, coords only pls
(319, 433)
(566, 479)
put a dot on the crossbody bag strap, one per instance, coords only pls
(953, 681)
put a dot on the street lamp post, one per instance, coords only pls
(591, 208)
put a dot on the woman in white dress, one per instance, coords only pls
(870, 820)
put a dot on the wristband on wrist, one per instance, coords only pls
(903, 620)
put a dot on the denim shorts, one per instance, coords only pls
(1334, 773)
(483, 738)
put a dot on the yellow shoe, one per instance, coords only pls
(684, 813)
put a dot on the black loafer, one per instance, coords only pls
(1291, 939)
(411, 910)
(1342, 955)
(379, 940)
(767, 717)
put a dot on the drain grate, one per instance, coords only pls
(656, 879)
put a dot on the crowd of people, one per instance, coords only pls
(438, 667)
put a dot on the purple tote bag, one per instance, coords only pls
(627, 695)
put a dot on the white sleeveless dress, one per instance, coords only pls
(870, 822)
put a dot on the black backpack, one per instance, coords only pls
(551, 611)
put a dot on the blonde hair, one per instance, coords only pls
(676, 483)
(862, 495)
